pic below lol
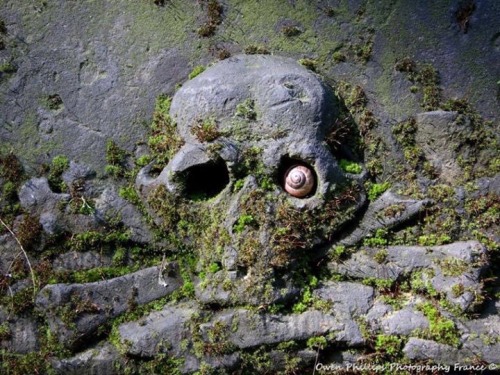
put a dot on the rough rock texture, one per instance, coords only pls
(439, 133)
(110, 205)
(404, 322)
(77, 310)
(373, 219)
(460, 263)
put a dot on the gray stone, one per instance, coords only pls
(36, 197)
(101, 360)
(253, 329)
(363, 265)
(351, 298)
(22, 336)
(422, 350)
(164, 330)
(110, 206)
(440, 135)
(75, 311)
(159, 331)
(441, 263)
(404, 322)
(74, 261)
(374, 219)
(77, 171)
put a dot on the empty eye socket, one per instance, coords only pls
(205, 181)
(297, 178)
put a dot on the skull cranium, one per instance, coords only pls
(245, 123)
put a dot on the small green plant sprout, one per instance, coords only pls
(377, 239)
(338, 56)
(246, 109)
(441, 329)
(337, 252)
(376, 190)
(59, 164)
(350, 166)
(7, 67)
(388, 344)
(310, 64)
(53, 102)
(381, 256)
(290, 30)
(206, 130)
(116, 158)
(318, 343)
(197, 70)
(253, 49)
(164, 141)
(243, 222)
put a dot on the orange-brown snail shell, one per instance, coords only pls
(299, 181)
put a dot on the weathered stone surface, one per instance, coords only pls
(404, 322)
(107, 82)
(421, 350)
(101, 360)
(278, 328)
(110, 206)
(374, 219)
(447, 266)
(36, 197)
(350, 298)
(81, 260)
(440, 134)
(481, 343)
(164, 330)
(76, 310)
(159, 331)
(21, 336)
(77, 172)
(281, 89)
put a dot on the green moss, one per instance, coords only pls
(350, 166)
(243, 222)
(52, 102)
(310, 64)
(164, 141)
(452, 266)
(389, 344)
(441, 329)
(375, 190)
(420, 282)
(206, 130)
(317, 343)
(116, 158)
(381, 256)
(381, 284)
(246, 110)
(58, 166)
(197, 70)
(378, 239)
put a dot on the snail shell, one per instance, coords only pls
(299, 181)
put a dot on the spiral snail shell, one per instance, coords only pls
(299, 181)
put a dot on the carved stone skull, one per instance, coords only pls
(249, 126)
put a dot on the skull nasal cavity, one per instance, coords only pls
(205, 180)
